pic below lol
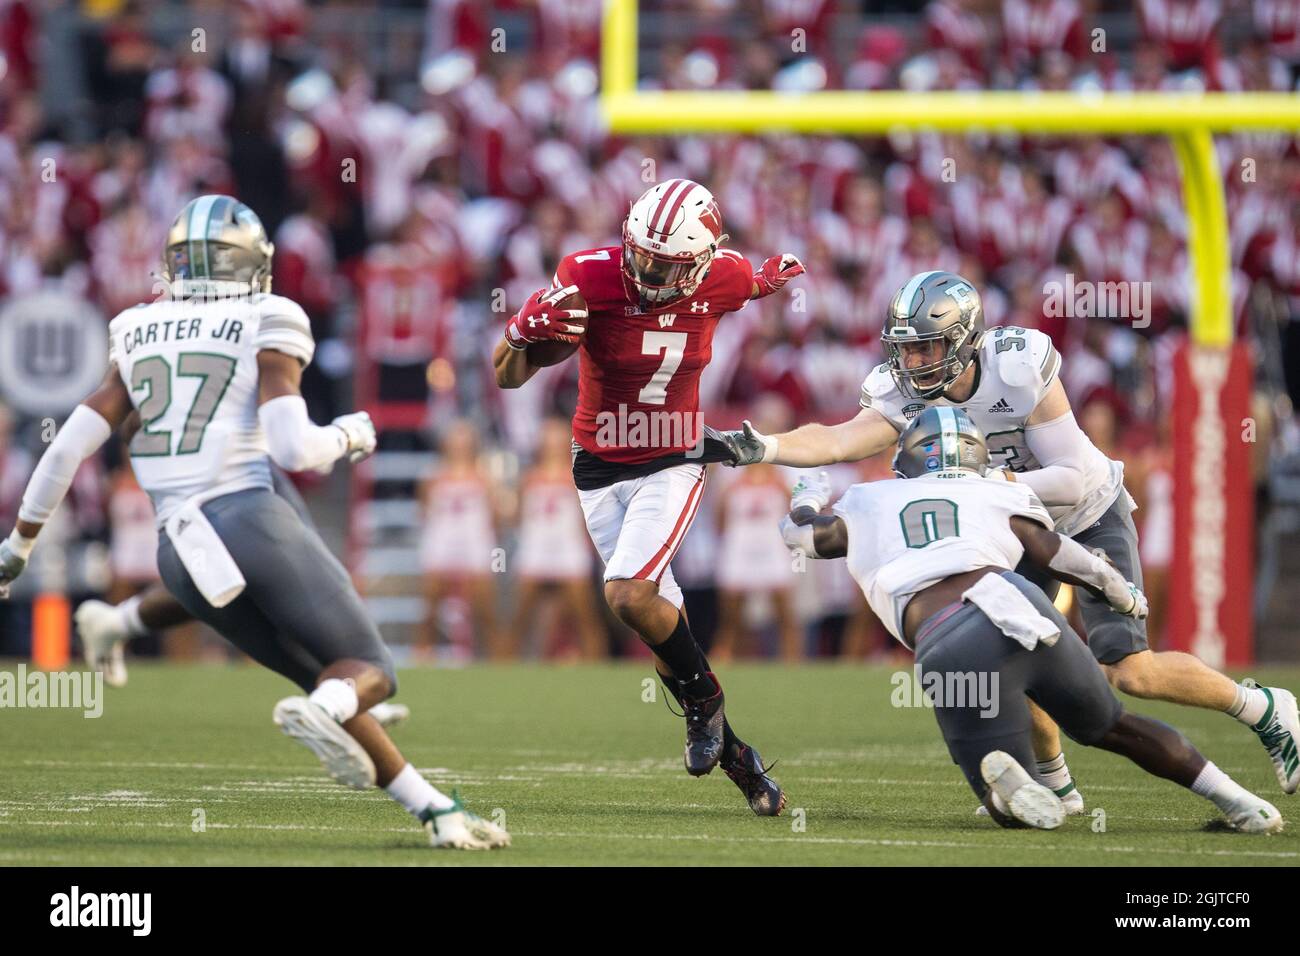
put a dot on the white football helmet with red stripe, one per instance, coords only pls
(670, 237)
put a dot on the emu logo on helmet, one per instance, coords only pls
(963, 295)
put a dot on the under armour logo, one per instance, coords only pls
(699, 307)
(539, 320)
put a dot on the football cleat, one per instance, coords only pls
(389, 715)
(342, 757)
(1018, 795)
(1071, 800)
(704, 719)
(746, 770)
(103, 636)
(456, 828)
(1279, 731)
(1254, 815)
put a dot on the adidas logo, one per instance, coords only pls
(1001, 407)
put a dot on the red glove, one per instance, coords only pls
(776, 272)
(540, 321)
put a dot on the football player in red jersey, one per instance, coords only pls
(644, 312)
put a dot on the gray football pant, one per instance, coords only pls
(966, 648)
(1111, 636)
(299, 612)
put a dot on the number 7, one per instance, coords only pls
(673, 345)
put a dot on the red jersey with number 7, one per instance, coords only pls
(639, 377)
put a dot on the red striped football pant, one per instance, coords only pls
(637, 525)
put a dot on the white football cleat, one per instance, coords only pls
(1254, 815)
(456, 828)
(389, 715)
(1071, 801)
(103, 636)
(1279, 732)
(1023, 797)
(343, 758)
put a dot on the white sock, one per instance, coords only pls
(1054, 774)
(130, 612)
(415, 793)
(1250, 705)
(336, 697)
(1217, 787)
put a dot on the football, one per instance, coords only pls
(545, 354)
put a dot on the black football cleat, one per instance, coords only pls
(703, 731)
(745, 768)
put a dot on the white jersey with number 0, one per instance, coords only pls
(191, 368)
(1016, 368)
(907, 534)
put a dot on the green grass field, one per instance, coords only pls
(586, 773)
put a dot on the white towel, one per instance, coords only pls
(204, 555)
(1013, 613)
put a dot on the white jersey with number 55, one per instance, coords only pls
(1015, 369)
(907, 534)
(191, 368)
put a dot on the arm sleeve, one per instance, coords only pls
(1061, 448)
(79, 438)
(1074, 559)
(294, 443)
(284, 327)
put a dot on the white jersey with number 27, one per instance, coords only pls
(906, 534)
(1016, 368)
(191, 368)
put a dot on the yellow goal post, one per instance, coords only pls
(1188, 119)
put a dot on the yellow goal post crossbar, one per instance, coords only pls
(1188, 119)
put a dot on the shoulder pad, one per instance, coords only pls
(1024, 358)
(877, 387)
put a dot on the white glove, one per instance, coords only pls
(14, 552)
(812, 490)
(359, 431)
(1139, 608)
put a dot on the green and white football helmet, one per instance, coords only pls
(217, 240)
(941, 439)
(933, 306)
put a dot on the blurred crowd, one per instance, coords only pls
(419, 184)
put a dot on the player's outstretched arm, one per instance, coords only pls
(293, 441)
(1067, 560)
(87, 428)
(867, 433)
(805, 529)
